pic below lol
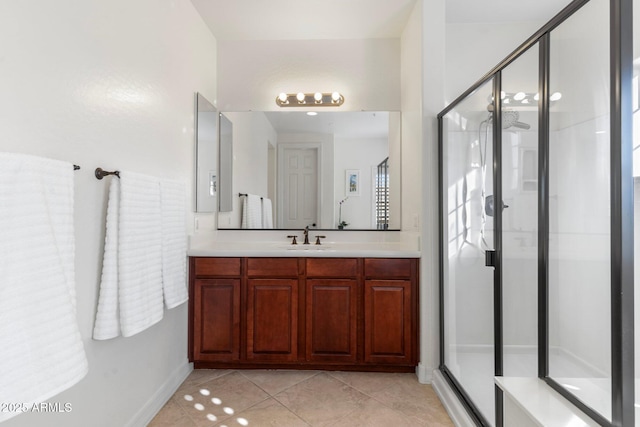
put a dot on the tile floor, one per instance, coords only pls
(301, 398)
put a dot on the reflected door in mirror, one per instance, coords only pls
(300, 188)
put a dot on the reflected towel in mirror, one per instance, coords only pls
(251, 211)
(267, 213)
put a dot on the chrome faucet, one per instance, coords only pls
(306, 235)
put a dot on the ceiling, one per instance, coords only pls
(351, 19)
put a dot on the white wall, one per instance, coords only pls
(252, 73)
(107, 84)
(425, 24)
(472, 50)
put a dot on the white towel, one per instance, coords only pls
(174, 242)
(267, 213)
(139, 260)
(251, 212)
(41, 350)
(107, 324)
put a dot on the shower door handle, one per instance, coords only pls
(490, 258)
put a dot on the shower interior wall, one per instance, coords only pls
(583, 352)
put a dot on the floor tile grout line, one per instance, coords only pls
(281, 404)
(286, 388)
(373, 397)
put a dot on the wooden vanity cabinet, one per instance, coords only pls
(306, 313)
(388, 306)
(332, 289)
(272, 309)
(215, 309)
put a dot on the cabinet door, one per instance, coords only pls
(387, 322)
(331, 316)
(216, 325)
(272, 320)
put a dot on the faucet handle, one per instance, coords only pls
(318, 239)
(293, 242)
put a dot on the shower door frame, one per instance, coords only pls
(458, 389)
(621, 204)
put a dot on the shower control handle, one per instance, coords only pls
(490, 258)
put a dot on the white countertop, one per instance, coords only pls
(248, 245)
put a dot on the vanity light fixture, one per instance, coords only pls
(317, 99)
(524, 98)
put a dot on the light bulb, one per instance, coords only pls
(318, 97)
(300, 97)
(555, 96)
(335, 97)
(282, 97)
(519, 96)
(502, 94)
(536, 97)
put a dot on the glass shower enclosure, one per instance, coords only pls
(536, 220)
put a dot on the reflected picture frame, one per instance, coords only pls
(352, 182)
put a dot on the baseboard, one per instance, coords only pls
(149, 410)
(424, 374)
(578, 361)
(449, 399)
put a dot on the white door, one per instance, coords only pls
(300, 188)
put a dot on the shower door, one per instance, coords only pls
(490, 190)
(468, 354)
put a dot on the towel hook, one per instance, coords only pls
(100, 173)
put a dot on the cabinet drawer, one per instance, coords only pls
(206, 267)
(332, 267)
(272, 267)
(387, 267)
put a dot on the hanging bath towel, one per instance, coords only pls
(41, 350)
(108, 317)
(134, 242)
(174, 242)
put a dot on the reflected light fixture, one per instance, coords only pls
(524, 98)
(317, 99)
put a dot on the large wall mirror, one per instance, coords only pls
(332, 170)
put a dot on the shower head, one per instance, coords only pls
(510, 119)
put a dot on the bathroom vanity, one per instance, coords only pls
(307, 309)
